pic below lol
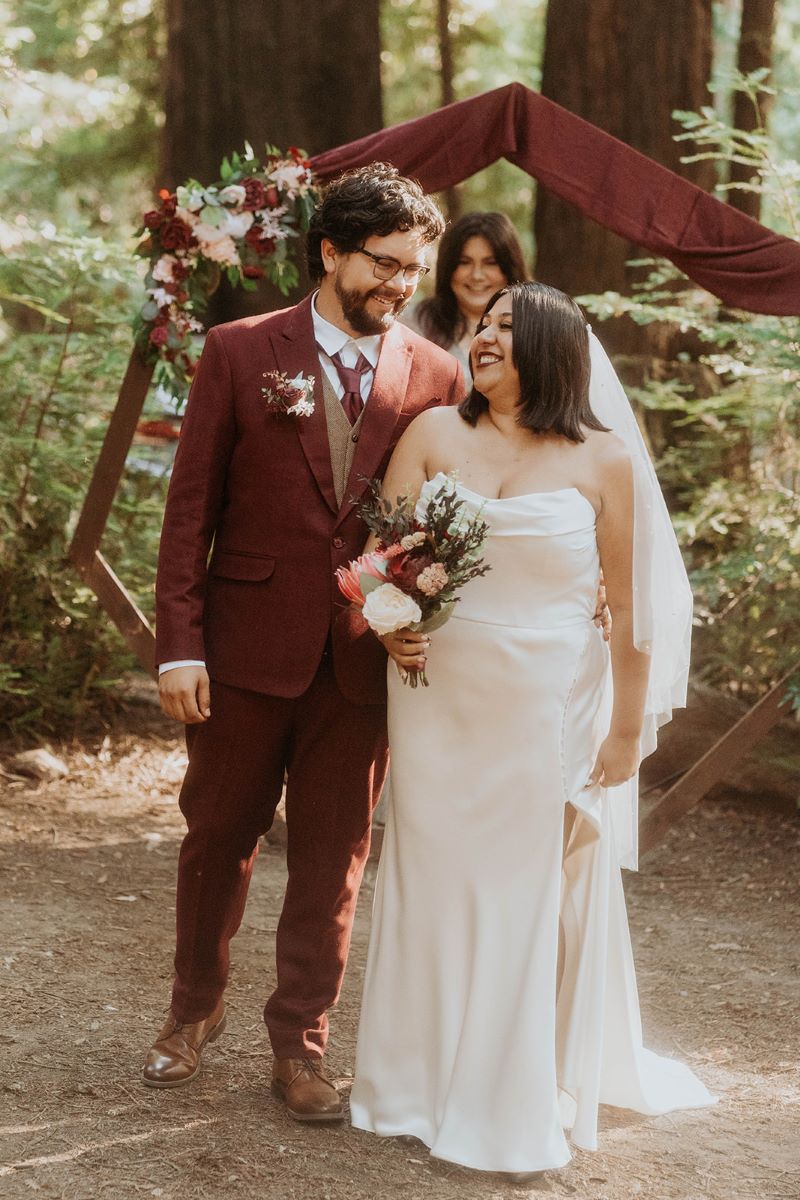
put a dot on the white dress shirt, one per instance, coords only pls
(330, 340)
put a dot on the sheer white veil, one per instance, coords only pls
(662, 620)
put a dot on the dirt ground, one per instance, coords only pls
(87, 877)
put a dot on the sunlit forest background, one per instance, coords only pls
(102, 102)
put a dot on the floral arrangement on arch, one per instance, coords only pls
(245, 225)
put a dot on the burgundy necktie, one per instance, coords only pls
(352, 400)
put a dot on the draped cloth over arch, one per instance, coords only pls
(742, 262)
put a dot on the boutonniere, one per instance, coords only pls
(289, 397)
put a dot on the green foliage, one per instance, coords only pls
(733, 464)
(80, 95)
(64, 345)
(776, 179)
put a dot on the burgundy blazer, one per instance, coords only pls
(258, 487)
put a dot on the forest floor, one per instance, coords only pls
(87, 874)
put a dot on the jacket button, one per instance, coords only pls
(353, 437)
(338, 542)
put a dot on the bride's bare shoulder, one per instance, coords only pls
(609, 466)
(438, 422)
(606, 447)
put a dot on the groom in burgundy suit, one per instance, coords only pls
(257, 655)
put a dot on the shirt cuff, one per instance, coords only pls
(179, 662)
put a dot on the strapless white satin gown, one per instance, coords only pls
(474, 1037)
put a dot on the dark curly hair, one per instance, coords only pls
(550, 349)
(372, 200)
(439, 317)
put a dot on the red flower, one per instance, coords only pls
(159, 335)
(404, 569)
(169, 202)
(271, 196)
(255, 238)
(252, 272)
(255, 194)
(176, 235)
(153, 219)
(162, 429)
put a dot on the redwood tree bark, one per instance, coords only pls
(625, 67)
(288, 72)
(755, 52)
(452, 196)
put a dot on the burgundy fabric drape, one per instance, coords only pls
(743, 263)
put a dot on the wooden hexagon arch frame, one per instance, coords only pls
(743, 263)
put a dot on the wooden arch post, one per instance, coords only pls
(84, 549)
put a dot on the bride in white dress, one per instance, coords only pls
(500, 1002)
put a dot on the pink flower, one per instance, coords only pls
(349, 577)
(412, 540)
(159, 336)
(221, 250)
(431, 581)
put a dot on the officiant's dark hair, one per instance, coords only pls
(374, 200)
(550, 349)
(439, 318)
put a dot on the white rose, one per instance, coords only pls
(236, 225)
(209, 233)
(234, 193)
(386, 609)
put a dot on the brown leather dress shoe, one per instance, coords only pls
(174, 1058)
(306, 1090)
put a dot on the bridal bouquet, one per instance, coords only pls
(425, 554)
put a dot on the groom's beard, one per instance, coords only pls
(360, 318)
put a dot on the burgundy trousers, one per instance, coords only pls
(335, 756)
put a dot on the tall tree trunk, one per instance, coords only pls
(452, 196)
(625, 67)
(285, 72)
(755, 52)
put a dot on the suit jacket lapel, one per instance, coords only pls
(380, 413)
(296, 353)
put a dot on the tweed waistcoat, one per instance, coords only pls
(342, 437)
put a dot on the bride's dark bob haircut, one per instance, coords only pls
(550, 350)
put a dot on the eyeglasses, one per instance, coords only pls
(387, 268)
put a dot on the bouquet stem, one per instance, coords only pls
(414, 678)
